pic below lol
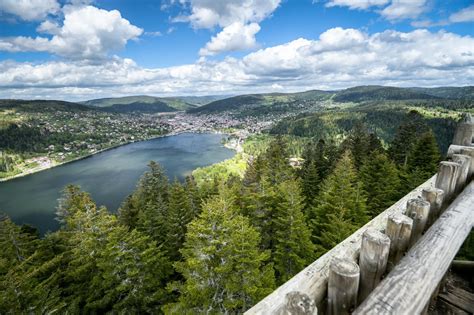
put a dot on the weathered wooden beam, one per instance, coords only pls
(343, 285)
(399, 228)
(456, 149)
(469, 152)
(372, 261)
(418, 210)
(447, 178)
(297, 303)
(408, 288)
(463, 134)
(313, 280)
(465, 162)
(435, 197)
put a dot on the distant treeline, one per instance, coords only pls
(335, 125)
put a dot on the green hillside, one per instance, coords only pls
(381, 118)
(379, 93)
(260, 104)
(455, 93)
(141, 103)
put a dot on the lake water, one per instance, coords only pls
(108, 176)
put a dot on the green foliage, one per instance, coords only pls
(224, 270)
(180, 213)
(381, 182)
(150, 196)
(143, 103)
(293, 249)
(340, 201)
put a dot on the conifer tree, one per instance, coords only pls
(293, 249)
(152, 220)
(341, 197)
(381, 182)
(131, 275)
(151, 191)
(422, 162)
(358, 143)
(224, 269)
(406, 136)
(425, 155)
(178, 217)
(194, 194)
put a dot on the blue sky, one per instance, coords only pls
(81, 49)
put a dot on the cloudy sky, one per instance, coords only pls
(84, 49)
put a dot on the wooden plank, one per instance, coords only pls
(408, 288)
(313, 280)
(459, 298)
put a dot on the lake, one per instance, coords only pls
(108, 176)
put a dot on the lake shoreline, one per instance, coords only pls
(41, 169)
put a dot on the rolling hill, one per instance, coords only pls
(257, 104)
(141, 103)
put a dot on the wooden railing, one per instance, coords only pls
(412, 244)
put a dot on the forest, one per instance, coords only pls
(218, 246)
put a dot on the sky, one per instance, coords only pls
(84, 49)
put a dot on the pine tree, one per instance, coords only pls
(152, 190)
(422, 162)
(358, 143)
(381, 182)
(406, 136)
(425, 155)
(293, 249)
(341, 196)
(152, 220)
(224, 270)
(131, 275)
(194, 195)
(178, 217)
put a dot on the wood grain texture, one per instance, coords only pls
(418, 210)
(408, 288)
(313, 280)
(463, 134)
(447, 178)
(456, 149)
(399, 228)
(469, 152)
(343, 285)
(465, 162)
(435, 197)
(372, 260)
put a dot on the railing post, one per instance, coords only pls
(469, 152)
(465, 162)
(372, 261)
(343, 285)
(446, 179)
(399, 228)
(297, 303)
(435, 197)
(419, 210)
(463, 134)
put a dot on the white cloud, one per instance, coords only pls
(236, 36)
(210, 13)
(87, 33)
(154, 34)
(356, 4)
(29, 10)
(338, 58)
(404, 9)
(238, 19)
(465, 15)
(392, 9)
